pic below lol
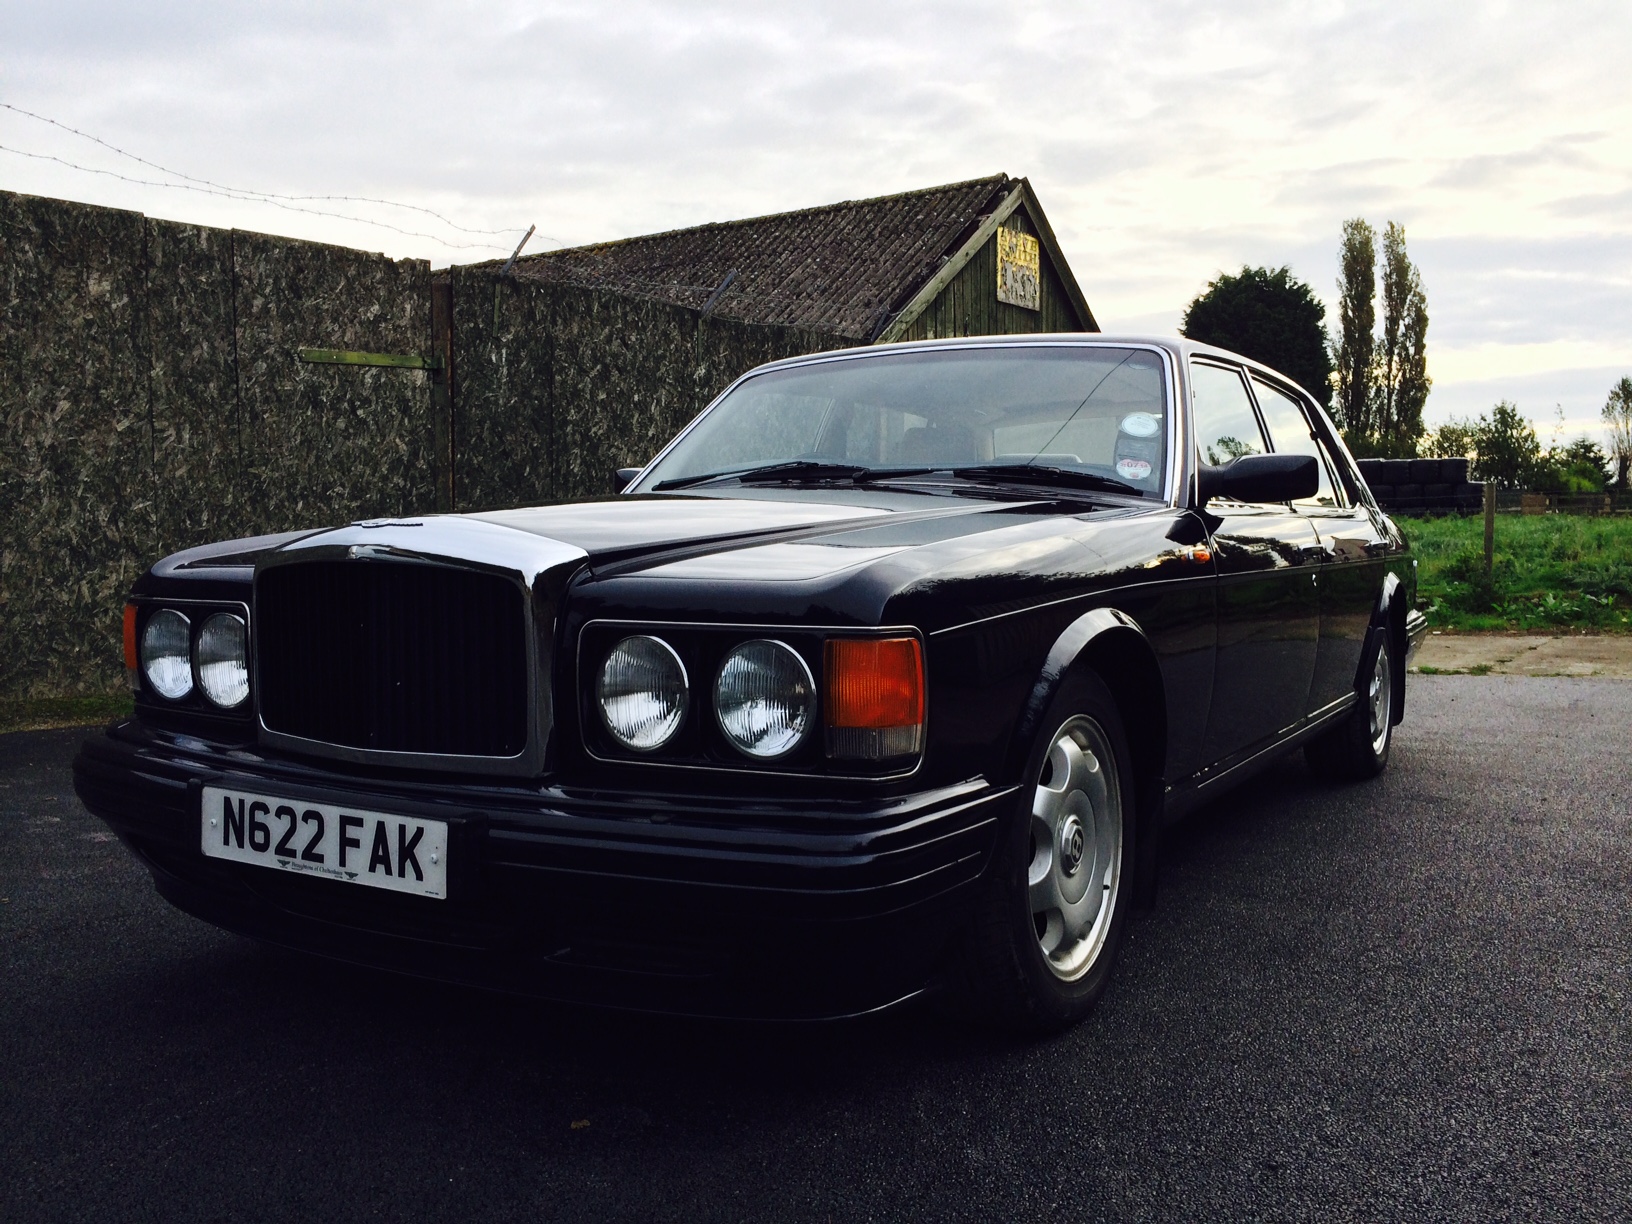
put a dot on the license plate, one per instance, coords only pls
(351, 845)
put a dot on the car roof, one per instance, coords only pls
(1179, 346)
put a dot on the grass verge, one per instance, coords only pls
(1552, 571)
(44, 713)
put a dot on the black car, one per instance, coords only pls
(883, 677)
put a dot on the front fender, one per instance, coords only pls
(1110, 642)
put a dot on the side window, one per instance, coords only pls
(1291, 434)
(1226, 426)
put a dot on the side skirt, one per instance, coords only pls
(1187, 795)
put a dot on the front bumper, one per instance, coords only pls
(716, 906)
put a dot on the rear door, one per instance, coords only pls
(1352, 548)
(1268, 564)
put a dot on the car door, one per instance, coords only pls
(1267, 558)
(1353, 548)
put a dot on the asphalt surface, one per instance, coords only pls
(1405, 999)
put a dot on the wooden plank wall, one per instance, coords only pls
(968, 306)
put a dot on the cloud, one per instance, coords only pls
(1168, 140)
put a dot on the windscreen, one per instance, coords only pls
(1101, 410)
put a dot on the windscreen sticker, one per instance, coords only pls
(1133, 469)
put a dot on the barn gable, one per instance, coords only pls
(972, 258)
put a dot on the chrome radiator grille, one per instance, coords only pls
(392, 656)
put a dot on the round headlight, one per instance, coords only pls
(763, 698)
(166, 659)
(223, 660)
(642, 693)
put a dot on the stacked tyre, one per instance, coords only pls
(1422, 486)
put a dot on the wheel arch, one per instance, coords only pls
(1109, 642)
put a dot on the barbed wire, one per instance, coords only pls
(316, 212)
(286, 201)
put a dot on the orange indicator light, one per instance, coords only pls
(875, 682)
(874, 698)
(130, 637)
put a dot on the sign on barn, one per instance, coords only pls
(1019, 280)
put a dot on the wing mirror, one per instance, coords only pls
(622, 477)
(1259, 478)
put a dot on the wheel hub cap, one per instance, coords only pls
(1073, 841)
(1076, 848)
(1379, 699)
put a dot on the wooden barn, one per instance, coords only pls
(973, 258)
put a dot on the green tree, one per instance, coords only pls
(1401, 382)
(1586, 460)
(1268, 315)
(1453, 439)
(1506, 447)
(1580, 467)
(1618, 416)
(1357, 317)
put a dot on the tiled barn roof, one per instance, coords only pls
(841, 269)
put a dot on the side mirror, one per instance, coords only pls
(1259, 478)
(622, 477)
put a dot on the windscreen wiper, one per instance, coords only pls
(1038, 473)
(797, 469)
(792, 472)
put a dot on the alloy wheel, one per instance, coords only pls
(1379, 699)
(1076, 848)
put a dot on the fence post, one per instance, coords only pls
(442, 432)
(1490, 527)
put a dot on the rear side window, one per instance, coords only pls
(1226, 426)
(1291, 434)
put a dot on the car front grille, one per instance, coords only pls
(392, 656)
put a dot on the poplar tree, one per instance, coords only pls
(1401, 384)
(1357, 318)
(1618, 417)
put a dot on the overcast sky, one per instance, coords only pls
(1167, 141)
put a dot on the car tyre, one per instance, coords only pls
(1048, 920)
(1357, 748)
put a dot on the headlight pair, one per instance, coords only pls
(171, 657)
(764, 696)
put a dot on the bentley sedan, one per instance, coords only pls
(883, 678)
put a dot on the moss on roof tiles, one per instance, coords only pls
(839, 269)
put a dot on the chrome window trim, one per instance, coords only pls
(1171, 486)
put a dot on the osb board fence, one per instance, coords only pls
(573, 383)
(152, 399)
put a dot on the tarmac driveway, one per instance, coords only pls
(1398, 1000)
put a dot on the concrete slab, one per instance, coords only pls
(1513, 654)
